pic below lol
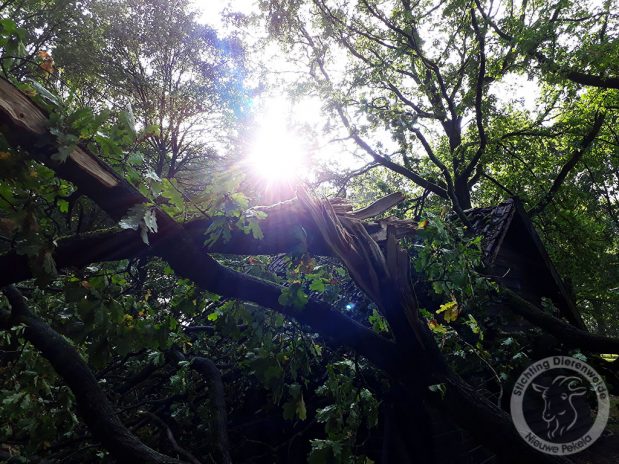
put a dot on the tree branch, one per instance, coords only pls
(26, 126)
(579, 77)
(212, 376)
(92, 403)
(569, 165)
(279, 230)
(566, 333)
(479, 95)
(573, 75)
(161, 423)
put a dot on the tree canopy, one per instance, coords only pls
(357, 275)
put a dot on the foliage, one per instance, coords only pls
(354, 409)
(450, 262)
(472, 103)
(165, 101)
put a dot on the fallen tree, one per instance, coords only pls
(411, 359)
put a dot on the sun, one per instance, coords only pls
(277, 153)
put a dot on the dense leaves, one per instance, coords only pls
(421, 92)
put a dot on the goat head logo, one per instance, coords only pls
(560, 405)
(559, 413)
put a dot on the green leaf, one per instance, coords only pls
(284, 297)
(150, 220)
(438, 388)
(317, 285)
(7, 27)
(301, 409)
(142, 217)
(293, 296)
(150, 174)
(63, 153)
(255, 229)
(151, 129)
(133, 218)
(43, 92)
(379, 323)
(325, 452)
(63, 206)
(127, 119)
(301, 299)
(171, 193)
(214, 315)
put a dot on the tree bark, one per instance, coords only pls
(566, 333)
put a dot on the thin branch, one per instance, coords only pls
(498, 184)
(211, 374)
(479, 96)
(569, 165)
(182, 451)
(377, 157)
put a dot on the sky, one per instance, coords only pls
(212, 9)
(280, 117)
(278, 114)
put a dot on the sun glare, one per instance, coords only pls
(277, 153)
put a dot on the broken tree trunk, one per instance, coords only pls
(414, 361)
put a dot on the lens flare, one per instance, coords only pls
(278, 154)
